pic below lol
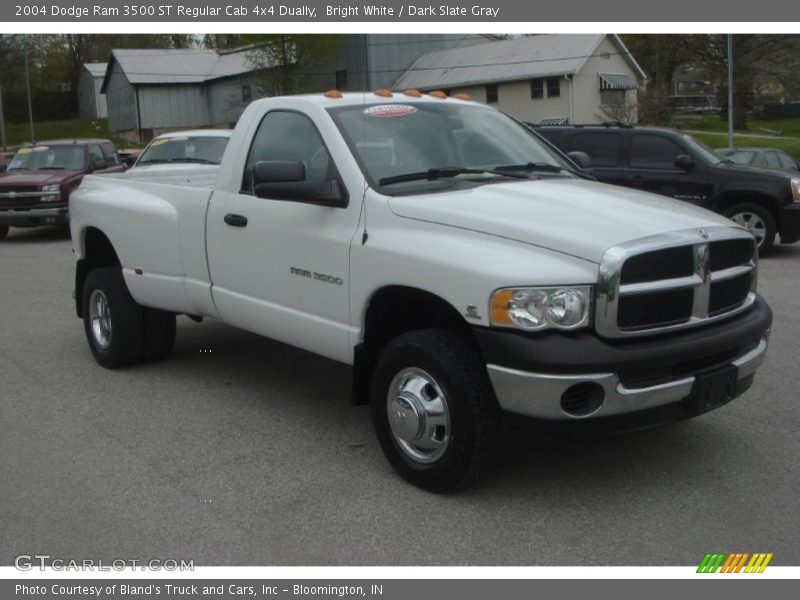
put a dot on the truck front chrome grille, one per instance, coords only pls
(676, 280)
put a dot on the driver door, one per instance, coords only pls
(281, 268)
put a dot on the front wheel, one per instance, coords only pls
(757, 220)
(113, 321)
(433, 409)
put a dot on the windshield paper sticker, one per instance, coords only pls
(390, 110)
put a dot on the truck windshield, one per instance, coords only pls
(198, 149)
(43, 158)
(399, 143)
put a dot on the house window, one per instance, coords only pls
(247, 93)
(537, 89)
(612, 97)
(341, 80)
(491, 93)
(553, 87)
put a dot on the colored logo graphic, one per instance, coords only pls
(736, 562)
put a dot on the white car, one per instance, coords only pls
(191, 157)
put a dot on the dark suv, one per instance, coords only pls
(674, 164)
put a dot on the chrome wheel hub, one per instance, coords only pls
(419, 417)
(753, 223)
(100, 317)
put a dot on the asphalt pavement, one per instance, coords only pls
(238, 450)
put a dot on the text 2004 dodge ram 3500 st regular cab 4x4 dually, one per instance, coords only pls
(448, 254)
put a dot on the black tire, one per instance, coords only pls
(159, 334)
(757, 219)
(472, 432)
(125, 337)
(3, 231)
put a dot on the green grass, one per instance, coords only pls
(755, 125)
(19, 133)
(790, 145)
(712, 130)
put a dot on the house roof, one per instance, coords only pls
(96, 69)
(509, 60)
(190, 65)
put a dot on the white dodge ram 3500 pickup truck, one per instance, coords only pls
(459, 263)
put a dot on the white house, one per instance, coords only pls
(91, 101)
(568, 78)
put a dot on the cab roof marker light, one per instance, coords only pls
(334, 94)
(413, 93)
(438, 94)
(465, 97)
(383, 93)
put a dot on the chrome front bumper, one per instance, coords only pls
(539, 395)
(35, 215)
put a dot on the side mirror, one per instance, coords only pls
(99, 164)
(684, 162)
(285, 180)
(581, 159)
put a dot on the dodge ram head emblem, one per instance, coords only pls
(703, 233)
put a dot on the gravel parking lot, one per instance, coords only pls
(243, 451)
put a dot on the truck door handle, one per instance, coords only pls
(236, 220)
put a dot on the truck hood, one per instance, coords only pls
(34, 178)
(572, 216)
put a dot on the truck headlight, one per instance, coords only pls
(51, 193)
(795, 189)
(537, 308)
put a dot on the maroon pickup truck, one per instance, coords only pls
(35, 188)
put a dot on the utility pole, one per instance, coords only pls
(28, 87)
(730, 90)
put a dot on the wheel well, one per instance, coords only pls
(97, 252)
(395, 310)
(725, 201)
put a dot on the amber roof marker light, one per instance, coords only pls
(335, 94)
(438, 94)
(413, 93)
(383, 93)
(463, 96)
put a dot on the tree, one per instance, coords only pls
(292, 63)
(659, 56)
(222, 41)
(56, 64)
(764, 67)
